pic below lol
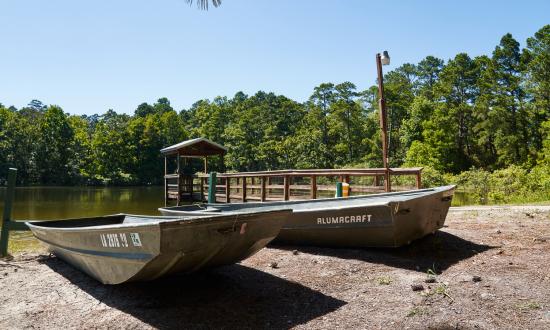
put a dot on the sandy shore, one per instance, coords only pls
(491, 267)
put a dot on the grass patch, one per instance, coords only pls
(21, 241)
(417, 311)
(441, 289)
(384, 280)
(529, 305)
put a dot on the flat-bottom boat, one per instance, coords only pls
(121, 248)
(378, 220)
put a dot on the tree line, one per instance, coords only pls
(487, 112)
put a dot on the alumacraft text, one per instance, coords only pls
(346, 219)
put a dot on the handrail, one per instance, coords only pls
(318, 172)
(248, 184)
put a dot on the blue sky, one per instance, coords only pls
(90, 56)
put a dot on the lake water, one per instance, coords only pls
(72, 202)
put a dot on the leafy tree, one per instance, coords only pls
(203, 4)
(55, 147)
(428, 71)
(111, 150)
(537, 82)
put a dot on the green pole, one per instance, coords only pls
(8, 201)
(338, 189)
(212, 188)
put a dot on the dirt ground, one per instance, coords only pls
(489, 268)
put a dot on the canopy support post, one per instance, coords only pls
(212, 188)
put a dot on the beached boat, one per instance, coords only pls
(121, 248)
(378, 220)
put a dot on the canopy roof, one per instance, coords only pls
(195, 147)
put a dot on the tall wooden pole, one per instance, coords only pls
(383, 124)
(6, 219)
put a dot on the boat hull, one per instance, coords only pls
(117, 253)
(383, 220)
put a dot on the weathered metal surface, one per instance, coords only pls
(121, 248)
(381, 220)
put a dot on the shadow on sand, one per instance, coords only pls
(229, 297)
(437, 252)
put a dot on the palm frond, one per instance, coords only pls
(203, 4)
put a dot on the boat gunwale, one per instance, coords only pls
(187, 220)
(414, 194)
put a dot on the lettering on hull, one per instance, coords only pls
(360, 218)
(119, 240)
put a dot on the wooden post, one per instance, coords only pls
(179, 190)
(202, 189)
(205, 164)
(179, 179)
(262, 189)
(376, 181)
(418, 180)
(6, 219)
(212, 188)
(313, 192)
(228, 190)
(244, 189)
(286, 192)
(165, 182)
(252, 181)
(383, 124)
(338, 189)
(387, 180)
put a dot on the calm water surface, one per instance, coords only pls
(71, 202)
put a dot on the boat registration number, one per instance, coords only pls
(119, 240)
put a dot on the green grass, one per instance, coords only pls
(529, 305)
(417, 311)
(440, 289)
(384, 280)
(23, 241)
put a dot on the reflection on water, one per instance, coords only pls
(71, 202)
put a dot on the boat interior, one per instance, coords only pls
(116, 219)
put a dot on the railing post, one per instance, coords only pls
(244, 189)
(387, 180)
(212, 188)
(179, 190)
(165, 182)
(228, 190)
(418, 180)
(8, 202)
(165, 191)
(313, 193)
(286, 188)
(262, 189)
(202, 188)
(338, 189)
